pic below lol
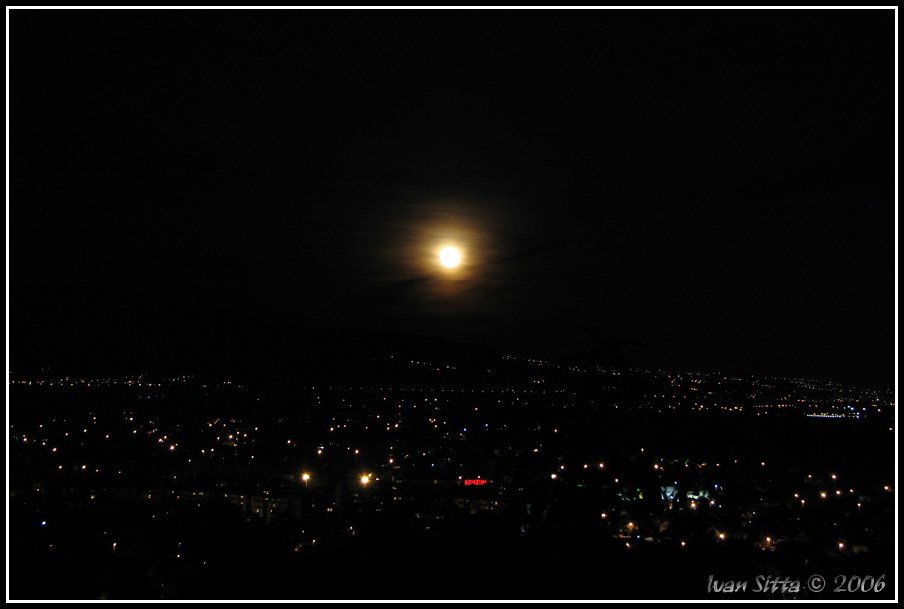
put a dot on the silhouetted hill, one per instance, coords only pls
(100, 333)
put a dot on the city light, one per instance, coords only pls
(422, 465)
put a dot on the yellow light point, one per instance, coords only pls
(450, 257)
(305, 477)
(365, 479)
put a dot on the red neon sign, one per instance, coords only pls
(478, 482)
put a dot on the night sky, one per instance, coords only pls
(716, 187)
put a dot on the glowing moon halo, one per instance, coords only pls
(450, 257)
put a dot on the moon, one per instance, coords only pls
(450, 257)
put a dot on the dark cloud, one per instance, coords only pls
(715, 188)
